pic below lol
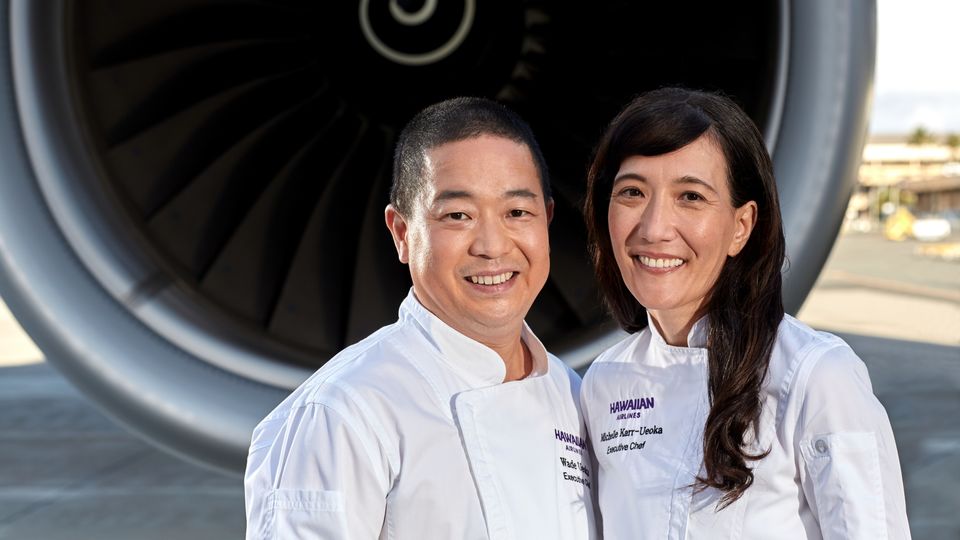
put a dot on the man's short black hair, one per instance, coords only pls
(450, 121)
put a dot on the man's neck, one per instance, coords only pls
(506, 341)
(518, 361)
(516, 356)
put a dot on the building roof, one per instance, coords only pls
(902, 152)
(936, 183)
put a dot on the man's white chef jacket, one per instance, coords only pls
(412, 434)
(832, 471)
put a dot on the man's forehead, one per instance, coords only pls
(444, 153)
(469, 164)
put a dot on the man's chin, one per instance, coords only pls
(496, 316)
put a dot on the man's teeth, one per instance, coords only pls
(660, 263)
(491, 280)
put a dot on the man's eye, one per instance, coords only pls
(457, 216)
(691, 196)
(518, 213)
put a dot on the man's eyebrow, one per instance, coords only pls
(453, 194)
(524, 193)
(450, 194)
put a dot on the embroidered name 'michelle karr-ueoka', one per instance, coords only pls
(628, 407)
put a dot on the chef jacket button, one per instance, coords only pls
(821, 446)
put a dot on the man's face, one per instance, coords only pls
(476, 237)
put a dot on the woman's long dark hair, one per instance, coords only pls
(745, 306)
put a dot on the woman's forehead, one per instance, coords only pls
(700, 161)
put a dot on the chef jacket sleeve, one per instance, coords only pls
(315, 472)
(849, 470)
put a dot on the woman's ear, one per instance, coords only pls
(398, 230)
(745, 218)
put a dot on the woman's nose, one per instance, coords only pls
(657, 221)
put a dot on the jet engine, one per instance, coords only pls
(192, 191)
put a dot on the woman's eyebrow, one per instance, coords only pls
(629, 176)
(694, 180)
(686, 179)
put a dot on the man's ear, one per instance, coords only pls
(745, 218)
(550, 206)
(398, 229)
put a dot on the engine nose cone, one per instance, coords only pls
(410, 27)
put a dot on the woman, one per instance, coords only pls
(719, 416)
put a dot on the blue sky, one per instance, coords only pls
(918, 66)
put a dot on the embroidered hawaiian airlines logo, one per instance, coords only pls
(569, 438)
(630, 408)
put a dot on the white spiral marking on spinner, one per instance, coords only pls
(415, 19)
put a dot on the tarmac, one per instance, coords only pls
(68, 472)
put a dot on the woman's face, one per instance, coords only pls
(672, 227)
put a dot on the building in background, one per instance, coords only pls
(908, 183)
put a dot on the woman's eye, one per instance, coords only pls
(691, 196)
(630, 192)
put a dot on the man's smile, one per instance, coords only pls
(491, 279)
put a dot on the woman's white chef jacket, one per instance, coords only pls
(832, 471)
(412, 434)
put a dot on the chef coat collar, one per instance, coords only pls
(696, 338)
(478, 364)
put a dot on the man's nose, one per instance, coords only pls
(491, 240)
(657, 221)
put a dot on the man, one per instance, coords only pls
(453, 422)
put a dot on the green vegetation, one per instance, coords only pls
(952, 140)
(920, 135)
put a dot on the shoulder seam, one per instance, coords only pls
(375, 424)
(799, 373)
(349, 421)
(354, 355)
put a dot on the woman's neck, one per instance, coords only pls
(674, 325)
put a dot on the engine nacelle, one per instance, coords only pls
(192, 191)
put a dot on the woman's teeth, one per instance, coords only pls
(660, 263)
(491, 280)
